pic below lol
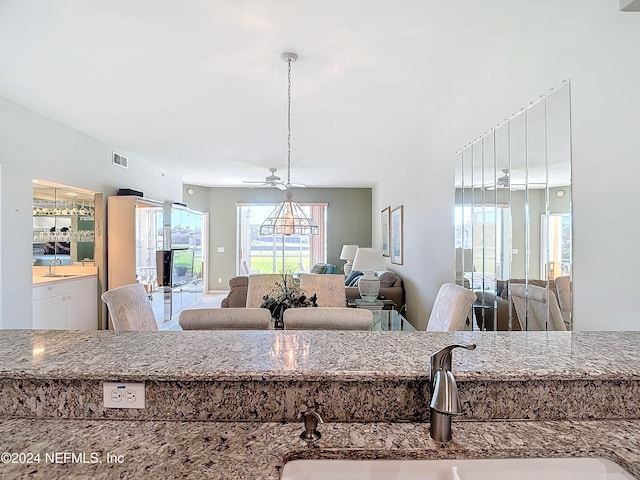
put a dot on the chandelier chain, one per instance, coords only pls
(289, 125)
(288, 218)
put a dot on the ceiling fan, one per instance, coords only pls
(273, 180)
(503, 182)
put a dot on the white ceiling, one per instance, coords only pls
(198, 86)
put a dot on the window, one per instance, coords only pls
(264, 254)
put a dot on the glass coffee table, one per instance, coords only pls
(375, 305)
(392, 321)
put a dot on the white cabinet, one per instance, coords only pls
(66, 304)
(49, 306)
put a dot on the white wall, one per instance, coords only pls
(598, 51)
(1, 245)
(33, 146)
(348, 214)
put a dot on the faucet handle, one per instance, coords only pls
(442, 358)
(311, 419)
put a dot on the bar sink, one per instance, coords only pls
(458, 469)
(60, 275)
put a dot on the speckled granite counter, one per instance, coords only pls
(256, 451)
(588, 384)
(347, 376)
(282, 355)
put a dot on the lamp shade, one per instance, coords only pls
(369, 260)
(348, 252)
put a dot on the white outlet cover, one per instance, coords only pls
(123, 395)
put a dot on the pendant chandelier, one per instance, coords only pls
(288, 218)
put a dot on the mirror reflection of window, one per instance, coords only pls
(557, 237)
(492, 262)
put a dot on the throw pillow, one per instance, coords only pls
(318, 268)
(387, 279)
(352, 275)
(329, 268)
(354, 282)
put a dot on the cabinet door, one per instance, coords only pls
(82, 310)
(50, 313)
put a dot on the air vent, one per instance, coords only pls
(121, 160)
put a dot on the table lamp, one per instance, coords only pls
(369, 260)
(348, 253)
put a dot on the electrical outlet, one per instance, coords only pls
(123, 395)
(219, 279)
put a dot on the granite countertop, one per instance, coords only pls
(162, 448)
(245, 450)
(314, 355)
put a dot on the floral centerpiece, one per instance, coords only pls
(286, 294)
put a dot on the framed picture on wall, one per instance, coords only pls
(397, 241)
(386, 233)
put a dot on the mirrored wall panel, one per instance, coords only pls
(513, 223)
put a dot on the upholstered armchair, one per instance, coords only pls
(328, 318)
(329, 289)
(536, 306)
(493, 310)
(130, 308)
(225, 319)
(451, 309)
(261, 284)
(563, 285)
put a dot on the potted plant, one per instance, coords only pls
(286, 294)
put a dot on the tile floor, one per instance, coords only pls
(209, 300)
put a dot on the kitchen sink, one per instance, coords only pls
(461, 469)
(60, 275)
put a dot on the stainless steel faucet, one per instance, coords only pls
(444, 394)
(311, 419)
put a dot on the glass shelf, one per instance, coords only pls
(80, 236)
(87, 217)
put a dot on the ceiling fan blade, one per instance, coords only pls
(280, 186)
(254, 181)
(298, 185)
